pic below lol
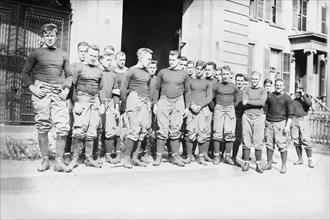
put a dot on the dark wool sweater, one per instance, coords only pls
(279, 107)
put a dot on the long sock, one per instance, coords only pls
(246, 154)
(202, 148)
(137, 149)
(43, 144)
(129, 147)
(207, 146)
(258, 154)
(89, 147)
(309, 152)
(160, 145)
(216, 145)
(235, 149)
(60, 145)
(269, 155)
(118, 142)
(175, 146)
(284, 156)
(229, 147)
(222, 147)
(77, 146)
(109, 145)
(299, 151)
(189, 147)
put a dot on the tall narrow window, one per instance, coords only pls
(324, 20)
(253, 8)
(260, 9)
(251, 59)
(286, 70)
(275, 64)
(299, 14)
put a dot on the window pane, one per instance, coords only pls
(324, 13)
(274, 15)
(304, 8)
(299, 23)
(261, 9)
(303, 24)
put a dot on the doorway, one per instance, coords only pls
(152, 24)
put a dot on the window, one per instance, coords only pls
(299, 14)
(324, 20)
(257, 9)
(251, 52)
(286, 70)
(275, 64)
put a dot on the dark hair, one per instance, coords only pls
(82, 43)
(190, 61)
(239, 75)
(183, 58)
(211, 63)
(268, 81)
(200, 63)
(226, 67)
(174, 52)
(49, 28)
(93, 47)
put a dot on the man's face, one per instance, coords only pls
(298, 92)
(173, 61)
(109, 52)
(190, 69)
(184, 64)
(240, 82)
(82, 51)
(217, 75)
(209, 71)
(92, 56)
(268, 87)
(255, 79)
(106, 61)
(279, 86)
(225, 76)
(246, 83)
(50, 39)
(121, 60)
(146, 60)
(152, 68)
(199, 71)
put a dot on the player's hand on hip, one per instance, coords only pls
(64, 93)
(37, 91)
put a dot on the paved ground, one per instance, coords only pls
(218, 192)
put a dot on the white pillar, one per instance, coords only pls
(310, 71)
(292, 72)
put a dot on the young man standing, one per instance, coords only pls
(279, 113)
(135, 102)
(53, 80)
(300, 130)
(253, 121)
(172, 106)
(239, 80)
(226, 96)
(88, 98)
(191, 69)
(199, 118)
(111, 109)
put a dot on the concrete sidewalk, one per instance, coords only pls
(22, 175)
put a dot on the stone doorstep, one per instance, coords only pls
(93, 177)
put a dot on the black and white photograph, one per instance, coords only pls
(164, 109)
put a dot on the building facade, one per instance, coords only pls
(279, 38)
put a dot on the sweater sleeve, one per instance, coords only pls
(187, 91)
(124, 87)
(29, 64)
(307, 100)
(102, 89)
(236, 96)
(209, 95)
(289, 106)
(67, 72)
(158, 86)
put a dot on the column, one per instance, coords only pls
(310, 71)
(293, 76)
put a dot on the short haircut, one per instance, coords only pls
(211, 63)
(120, 53)
(226, 67)
(256, 73)
(143, 51)
(93, 47)
(183, 58)
(154, 62)
(268, 81)
(174, 53)
(47, 28)
(200, 63)
(82, 43)
(246, 78)
(190, 61)
(101, 57)
(109, 47)
(279, 80)
(239, 75)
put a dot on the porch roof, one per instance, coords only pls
(309, 40)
